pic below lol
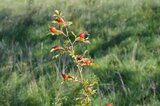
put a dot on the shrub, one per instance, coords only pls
(69, 40)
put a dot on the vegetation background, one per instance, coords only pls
(125, 43)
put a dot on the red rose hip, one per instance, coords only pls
(66, 76)
(52, 29)
(81, 35)
(109, 104)
(88, 61)
(59, 20)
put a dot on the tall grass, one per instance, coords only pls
(125, 36)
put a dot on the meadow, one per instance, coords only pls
(125, 45)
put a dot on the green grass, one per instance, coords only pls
(125, 36)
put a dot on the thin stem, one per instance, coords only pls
(78, 66)
(80, 72)
(74, 57)
(74, 41)
(69, 38)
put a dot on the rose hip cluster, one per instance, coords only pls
(60, 28)
(78, 58)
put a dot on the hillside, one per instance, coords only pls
(125, 45)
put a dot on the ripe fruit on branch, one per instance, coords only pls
(108, 104)
(55, 31)
(82, 35)
(87, 61)
(59, 20)
(66, 76)
(52, 29)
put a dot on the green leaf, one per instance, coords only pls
(51, 33)
(56, 12)
(55, 22)
(56, 56)
(68, 23)
(85, 41)
(73, 34)
(71, 53)
(66, 42)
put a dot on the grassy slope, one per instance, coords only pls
(125, 44)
